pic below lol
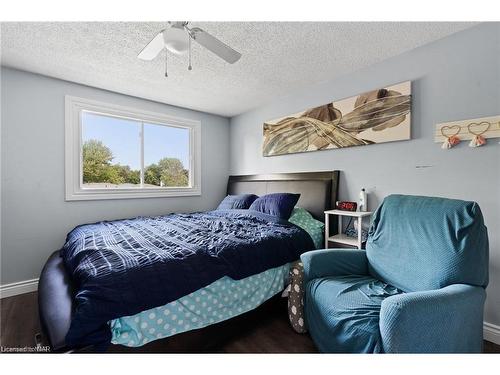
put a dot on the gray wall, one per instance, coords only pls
(453, 78)
(35, 217)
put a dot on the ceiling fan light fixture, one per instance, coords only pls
(176, 40)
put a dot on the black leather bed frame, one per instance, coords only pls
(55, 290)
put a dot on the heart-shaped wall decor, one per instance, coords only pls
(450, 131)
(478, 128)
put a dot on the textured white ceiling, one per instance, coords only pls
(278, 57)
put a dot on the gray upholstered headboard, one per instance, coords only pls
(318, 190)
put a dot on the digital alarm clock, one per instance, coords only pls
(347, 206)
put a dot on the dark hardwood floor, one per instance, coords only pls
(265, 330)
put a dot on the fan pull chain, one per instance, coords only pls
(189, 67)
(166, 65)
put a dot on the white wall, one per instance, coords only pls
(35, 218)
(453, 78)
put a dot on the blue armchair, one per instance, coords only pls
(418, 288)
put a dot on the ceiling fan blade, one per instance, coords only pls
(153, 48)
(215, 45)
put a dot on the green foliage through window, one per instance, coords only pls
(98, 168)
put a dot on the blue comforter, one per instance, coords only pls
(123, 267)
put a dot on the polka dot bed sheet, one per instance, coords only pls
(219, 301)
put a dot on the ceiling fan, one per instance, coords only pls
(177, 39)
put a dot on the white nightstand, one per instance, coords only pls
(342, 238)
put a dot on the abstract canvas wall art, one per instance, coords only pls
(377, 116)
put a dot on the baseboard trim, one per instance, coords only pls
(491, 332)
(21, 287)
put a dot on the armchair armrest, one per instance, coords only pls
(446, 320)
(334, 262)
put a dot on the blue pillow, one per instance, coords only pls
(277, 204)
(241, 201)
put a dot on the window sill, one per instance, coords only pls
(95, 194)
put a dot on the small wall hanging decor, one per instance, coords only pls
(376, 116)
(451, 134)
(476, 130)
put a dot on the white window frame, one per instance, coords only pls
(74, 106)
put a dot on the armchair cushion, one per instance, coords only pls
(334, 262)
(342, 313)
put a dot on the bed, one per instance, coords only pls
(78, 300)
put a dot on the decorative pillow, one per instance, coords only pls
(315, 228)
(240, 201)
(276, 204)
(296, 298)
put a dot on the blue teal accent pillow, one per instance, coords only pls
(276, 204)
(315, 228)
(240, 201)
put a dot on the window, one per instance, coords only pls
(118, 152)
